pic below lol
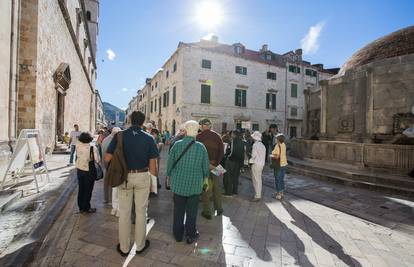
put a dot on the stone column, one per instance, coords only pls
(305, 126)
(369, 121)
(324, 94)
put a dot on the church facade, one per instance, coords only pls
(48, 81)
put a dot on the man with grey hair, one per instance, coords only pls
(215, 149)
(188, 166)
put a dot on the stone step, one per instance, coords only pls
(359, 183)
(61, 148)
(356, 174)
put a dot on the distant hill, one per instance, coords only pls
(110, 111)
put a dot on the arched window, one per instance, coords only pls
(88, 15)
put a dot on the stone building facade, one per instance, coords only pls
(231, 85)
(100, 120)
(49, 79)
(364, 109)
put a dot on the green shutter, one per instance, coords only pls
(294, 90)
(273, 101)
(174, 94)
(205, 94)
(267, 100)
(244, 93)
(236, 97)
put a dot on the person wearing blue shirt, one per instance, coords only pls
(141, 155)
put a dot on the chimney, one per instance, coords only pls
(264, 48)
(298, 53)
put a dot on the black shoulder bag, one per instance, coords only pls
(95, 169)
(167, 179)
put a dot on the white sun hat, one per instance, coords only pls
(257, 136)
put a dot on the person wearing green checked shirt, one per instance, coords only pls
(188, 166)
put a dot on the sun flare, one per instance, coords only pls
(209, 14)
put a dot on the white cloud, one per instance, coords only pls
(111, 54)
(310, 43)
(124, 89)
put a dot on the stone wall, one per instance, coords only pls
(55, 46)
(361, 104)
(393, 157)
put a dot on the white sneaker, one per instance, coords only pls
(279, 196)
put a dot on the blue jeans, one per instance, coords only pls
(72, 153)
(280, 179)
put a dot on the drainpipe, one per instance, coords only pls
(13, 76)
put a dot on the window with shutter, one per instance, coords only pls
(174, 94)
(206, 64)
(205, 93)
(240, 97)
(293, 90)
(271, 75)
(271, 101)
(241, 70)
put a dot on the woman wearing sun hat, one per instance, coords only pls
(258, 161)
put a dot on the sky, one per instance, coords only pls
(136, 37)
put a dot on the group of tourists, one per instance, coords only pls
(200, 163)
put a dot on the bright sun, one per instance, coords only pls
(209, 14)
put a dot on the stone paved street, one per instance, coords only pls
(294, 232)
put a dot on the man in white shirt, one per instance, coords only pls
(74, 135)
(258, 160)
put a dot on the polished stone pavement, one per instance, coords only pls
(297, 231)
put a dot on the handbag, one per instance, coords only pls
(167, 179)
(94, 168)
(275, 162)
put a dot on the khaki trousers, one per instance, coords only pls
(257, 179)
(215, 191)
(138, 188)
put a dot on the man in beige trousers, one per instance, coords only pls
(141, 155)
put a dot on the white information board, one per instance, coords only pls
(27, 153)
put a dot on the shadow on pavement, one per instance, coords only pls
(318, 235)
